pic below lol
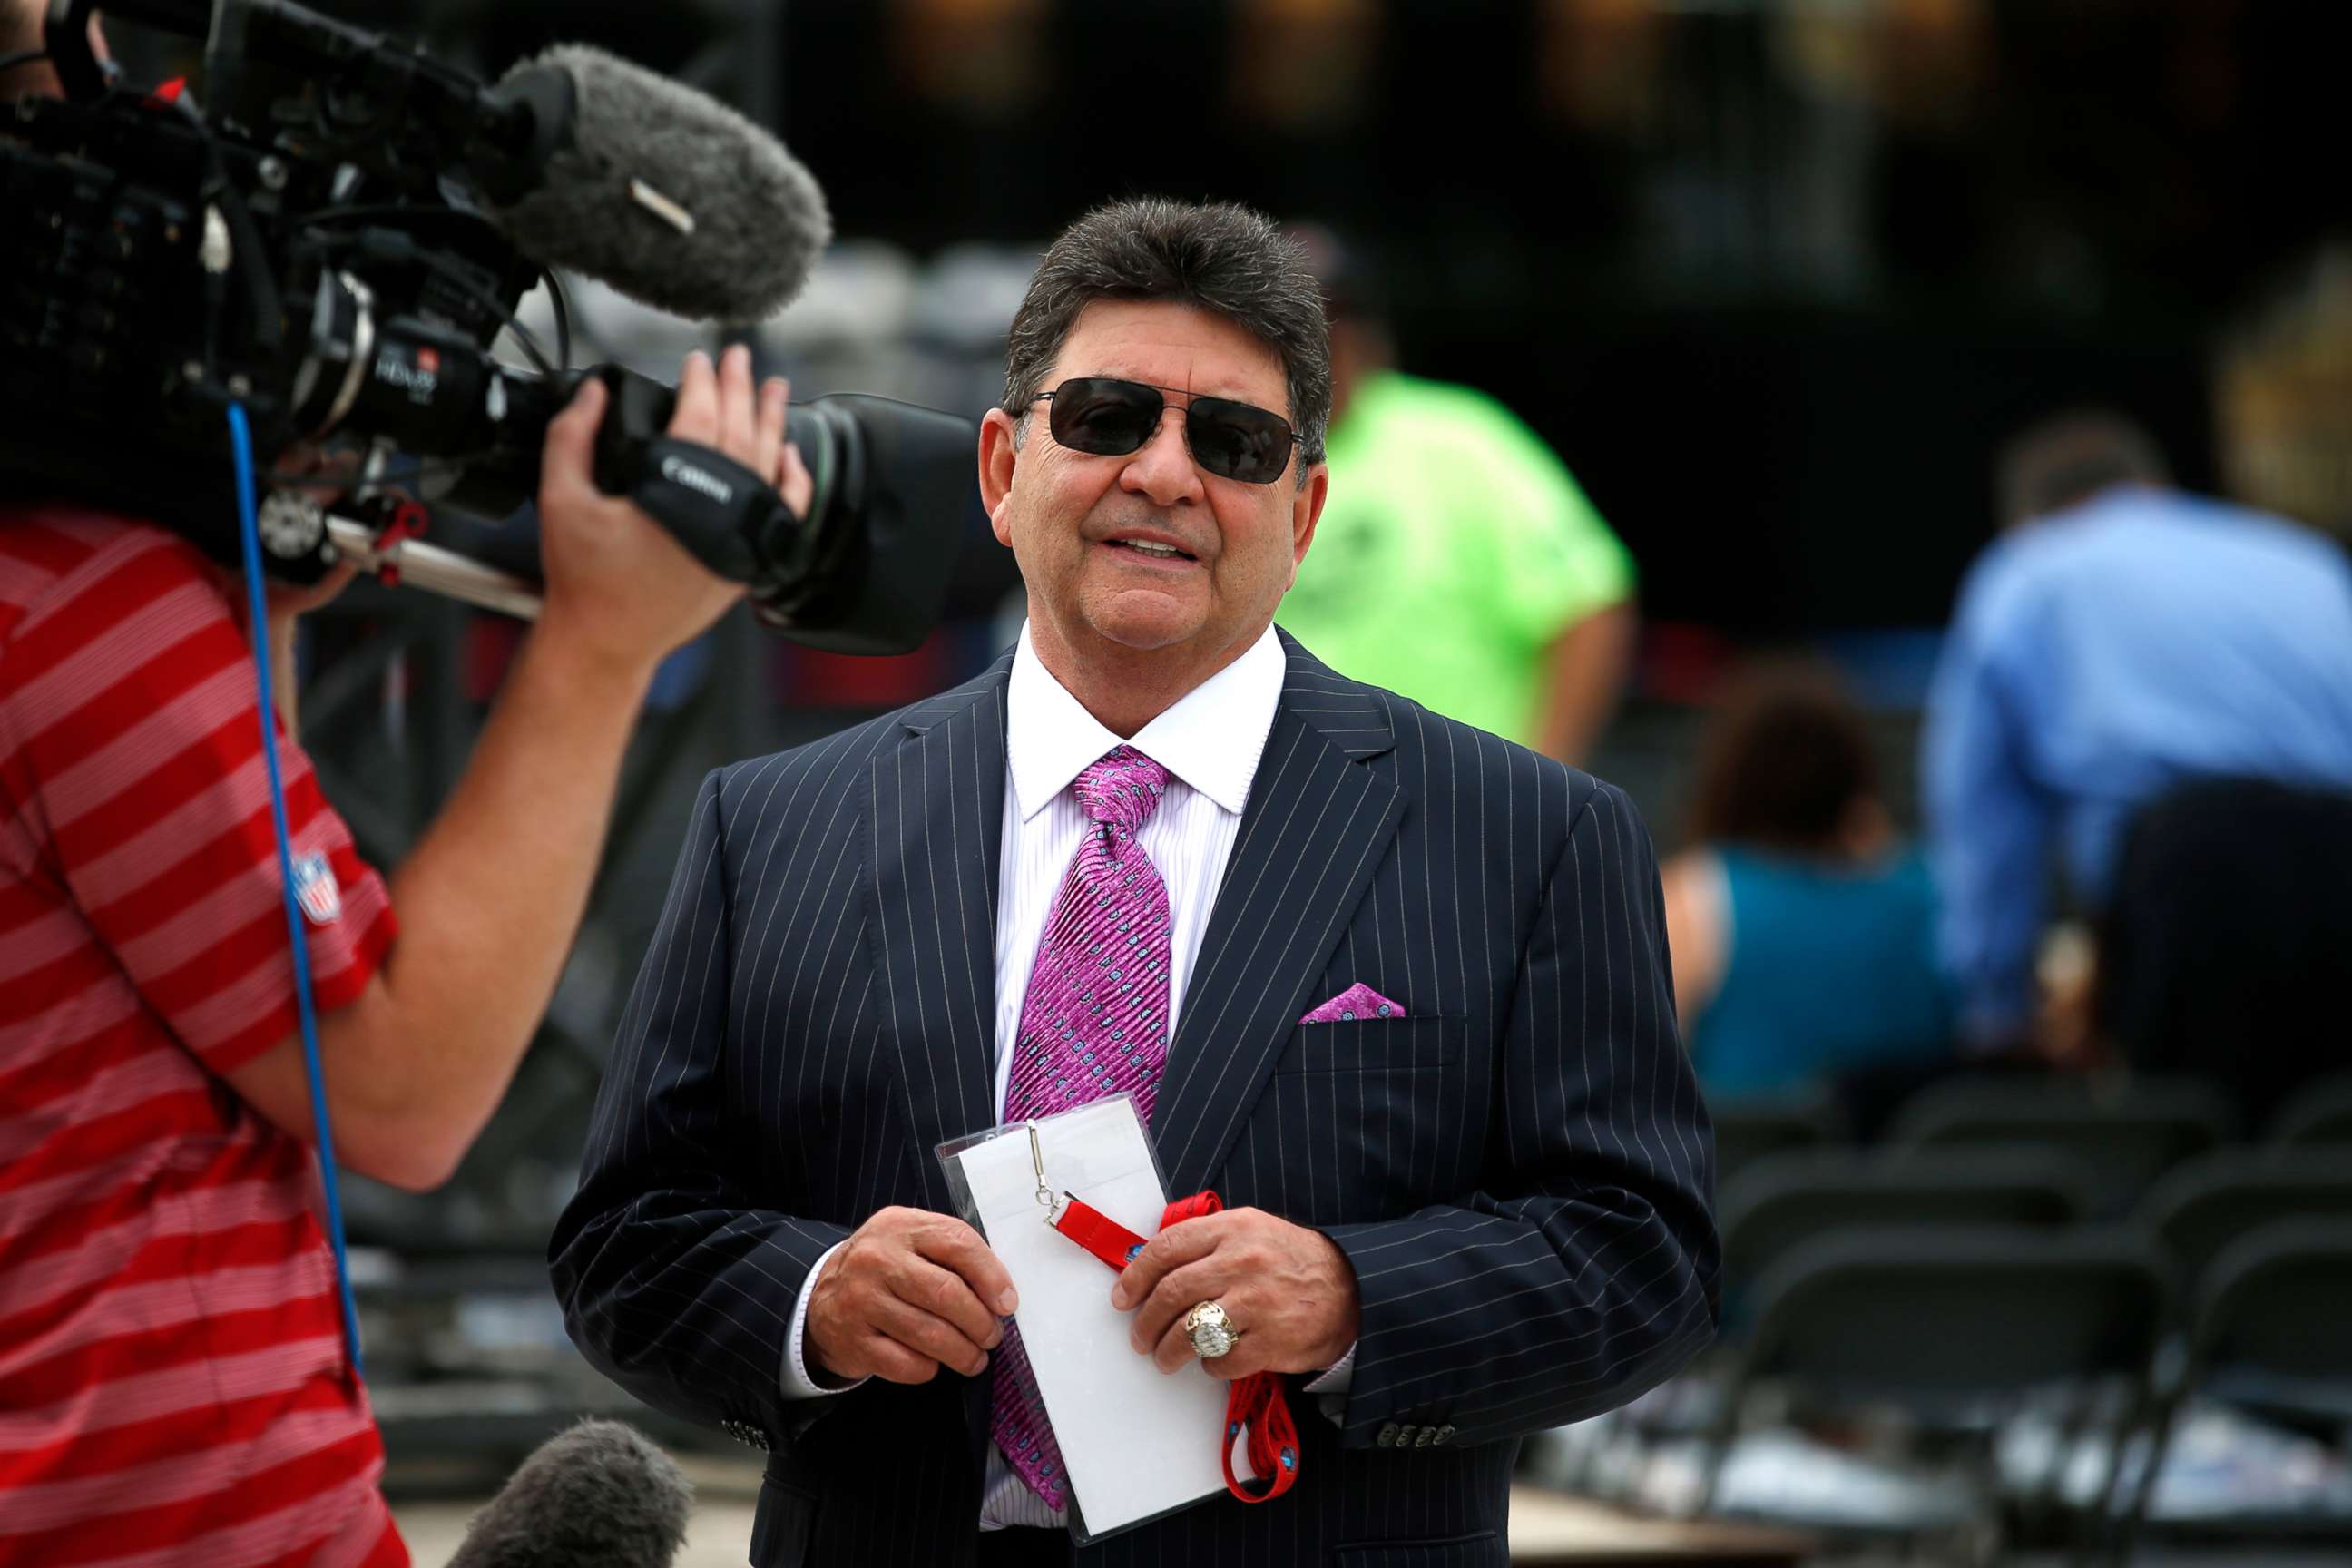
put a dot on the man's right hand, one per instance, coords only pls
(616, 581)
(909, 1292)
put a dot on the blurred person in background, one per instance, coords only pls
(2120, 641)
(1801, 929)
(1457, 562)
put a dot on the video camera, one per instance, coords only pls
(334, 241)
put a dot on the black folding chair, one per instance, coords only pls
(2200, 1208)
(2273, 1335)
(2126, 1132)
(1782, 1201)
(1954, 1326)
(2317, 1116)
(1747, 1130)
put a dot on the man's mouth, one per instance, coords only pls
(1150, 549)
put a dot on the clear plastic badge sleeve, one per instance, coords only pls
(1138, 1444)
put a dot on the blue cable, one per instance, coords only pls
(241, 440)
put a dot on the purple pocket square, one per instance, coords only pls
(1358, 1001)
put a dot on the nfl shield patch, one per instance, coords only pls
(314, 886)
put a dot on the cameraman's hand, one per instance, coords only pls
(285, 600)
(616, 581)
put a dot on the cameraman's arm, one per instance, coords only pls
(489, 902)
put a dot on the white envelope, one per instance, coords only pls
(1138, 1442)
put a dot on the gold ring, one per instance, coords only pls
(1211, 1333)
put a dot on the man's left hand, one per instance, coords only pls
(1290, 1291)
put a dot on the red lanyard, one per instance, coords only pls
(1254, 1401)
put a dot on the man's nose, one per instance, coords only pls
(1161, 468)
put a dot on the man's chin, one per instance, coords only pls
(1143, 621)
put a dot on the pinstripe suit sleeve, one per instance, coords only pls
(673, 1282)
(1583, 1269)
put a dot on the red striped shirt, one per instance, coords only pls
(172, 1379)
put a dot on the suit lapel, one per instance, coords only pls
(1316, 826)
(938, 822)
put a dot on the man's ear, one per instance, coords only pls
(998, 459)
(1306, 509)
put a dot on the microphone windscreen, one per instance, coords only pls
(758, 221)
(597, 1496)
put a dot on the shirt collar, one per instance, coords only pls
(1211, 738)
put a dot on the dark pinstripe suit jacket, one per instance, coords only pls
(1519, 1169)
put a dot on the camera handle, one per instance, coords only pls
(720, 511)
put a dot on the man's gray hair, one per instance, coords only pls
(1219, 257)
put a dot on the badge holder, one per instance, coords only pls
(1139, 1444)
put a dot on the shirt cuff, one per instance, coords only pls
(1333, 1379)
(795, 1375)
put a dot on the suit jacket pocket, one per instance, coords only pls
(1364, 1121)
(1484, 1550)
(1376, 1045)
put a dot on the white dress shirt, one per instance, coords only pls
(1210, 741)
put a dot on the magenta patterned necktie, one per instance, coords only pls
(1093, 1022)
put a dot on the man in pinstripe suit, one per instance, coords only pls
(1476, 1211)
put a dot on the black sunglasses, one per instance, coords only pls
(1106, 417)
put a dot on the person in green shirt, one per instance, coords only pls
(1457, 561)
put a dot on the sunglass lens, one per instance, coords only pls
(1237, 440)
(1104, 417)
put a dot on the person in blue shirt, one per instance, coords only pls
(2120, 640)
(1802, 931)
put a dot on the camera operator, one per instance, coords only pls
(173, 1383)
(167, 1300)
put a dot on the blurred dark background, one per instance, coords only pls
(1773, 279)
